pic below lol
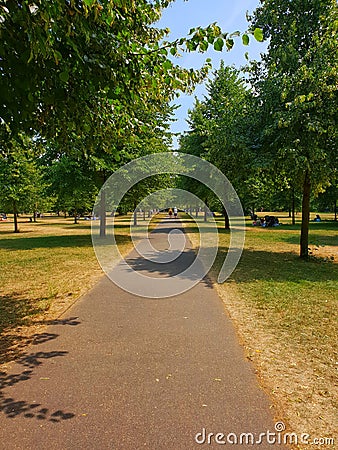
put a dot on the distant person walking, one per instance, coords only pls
(175, 212)
(170, 213)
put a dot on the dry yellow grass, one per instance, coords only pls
(285, 311)
(44, 269)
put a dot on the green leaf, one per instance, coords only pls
(229, 43)
(258, 34)
(173, 51)
(167, 65)
(246, 55)
(218, 45)
(245, 39)
(64, 76)
(89, 2)
(204, 46)
(192, 46)
(57, 56)
(235, 34)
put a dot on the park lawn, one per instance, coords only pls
(285, 310)
(44, 269)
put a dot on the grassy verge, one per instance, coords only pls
(44, 269)
(285, 310)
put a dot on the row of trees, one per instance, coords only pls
(38, 175)
(273, 132)
(85, 87)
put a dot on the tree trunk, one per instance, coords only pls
(226, 219)
(335, 210)
(206, 210)
(144, 214)
(35, 212)
(293, 208)
(75, 217)
(15, 212)
(304, 236)
(103, 214)
(196, 213)
(135, 214)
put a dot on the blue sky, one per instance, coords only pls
(230, 15)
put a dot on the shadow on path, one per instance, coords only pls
(12, 407)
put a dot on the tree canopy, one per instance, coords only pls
(297, 87)
(68, 66)
(277, 136)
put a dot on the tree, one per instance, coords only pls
(221, 130)
(71, 181)
(328, 200)
(297, 88)
(63, 61)
(80, 72)
(21, 182)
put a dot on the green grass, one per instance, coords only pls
(286, 313)
(44, 269)
(285, 308)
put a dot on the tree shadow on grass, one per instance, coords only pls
(63, 241)
(30, 243)
(280, 267)
(314, 239)
(16, 312)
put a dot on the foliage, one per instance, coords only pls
(69, 67)
(220, 130)
(21, 183)
(71, 181)
(297, 88)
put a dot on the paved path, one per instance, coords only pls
(124, 372)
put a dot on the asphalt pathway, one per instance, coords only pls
(118, 371)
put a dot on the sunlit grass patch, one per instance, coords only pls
(44, 269)
(286, 311)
